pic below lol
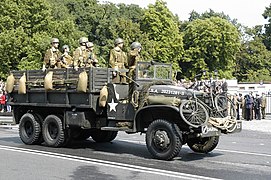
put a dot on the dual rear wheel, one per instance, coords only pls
(34, 130)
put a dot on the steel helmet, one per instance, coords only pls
(135, 45)
(118, 41)
(65, 47)
(54, 40)
(89, 44)
(83, 40)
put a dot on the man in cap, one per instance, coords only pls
(52, 55)
(80, 55)
(92, 60)
(118, 60)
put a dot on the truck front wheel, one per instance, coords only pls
(30, 129)
(163, 139)
(203, 145)
(52, 131)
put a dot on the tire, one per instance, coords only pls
(193, 113)
(30, 129)
(163, 139)
(53, 132)
(100, 136)
(203, 145)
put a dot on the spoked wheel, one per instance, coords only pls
(193, 113)
(163, 139)
(203, 145)
(225, 106)
(52, 131)
(30, 129)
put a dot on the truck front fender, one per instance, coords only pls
(147, 114)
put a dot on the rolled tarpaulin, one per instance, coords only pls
(48, 81)
(103, 96)
(82, 82)
(10, 83)
(22, 85)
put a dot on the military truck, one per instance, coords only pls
(57, 106)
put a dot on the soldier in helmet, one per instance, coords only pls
(92, 60)
(52, 55)
(133, 58)
(80, 55)
(66, 59)
(118, 60)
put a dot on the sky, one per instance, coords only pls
(247, 12)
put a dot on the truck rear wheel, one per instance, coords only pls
(30, 129)
(163, 139)
(53, 132)
(203, 145)
(103, 136)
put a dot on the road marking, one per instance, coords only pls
(217, 149)
(109, 164)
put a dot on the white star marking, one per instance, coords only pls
(112, 106)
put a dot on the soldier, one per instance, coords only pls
(118, 60)
(92, 60)
(263, 105)
(66, 59)
(133, 58)
(80, 55)
(52, 55)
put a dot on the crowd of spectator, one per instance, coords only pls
(250, 106)
(4, 107)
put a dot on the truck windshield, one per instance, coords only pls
(148, 70)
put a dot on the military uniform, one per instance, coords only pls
(52, 58)
(118, 60)
(92, 60)
(66, 60)
(133, 59)
(80, 57)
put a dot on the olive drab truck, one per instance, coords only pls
(56, 106)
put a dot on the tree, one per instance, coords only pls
(254, 60)
(267, 34)
(210, 44)
(161, 27)
(25, 32)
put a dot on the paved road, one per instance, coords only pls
(244, 155)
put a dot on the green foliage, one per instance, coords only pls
(208, 41)
(25, 32)
(267, 34)
(210, 44)
(253, 61)
(162, 29)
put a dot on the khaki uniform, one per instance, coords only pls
(118, 60)
(133, 58)
(263, 105)
(90, 62)
(67, 60)
(80, 57)
(52, 58)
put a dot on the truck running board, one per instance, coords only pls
(117, 129)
